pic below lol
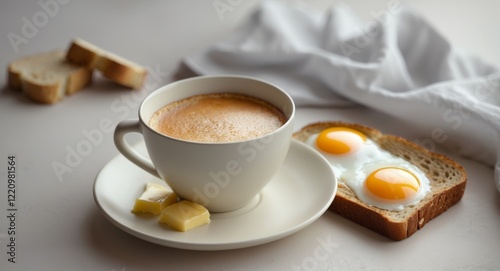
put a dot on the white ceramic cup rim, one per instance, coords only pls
(145, 120)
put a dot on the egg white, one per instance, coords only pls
(353, 169)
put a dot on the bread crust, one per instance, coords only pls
(448, 181)
(78, 80)
(14, 78)
(80, 54)
(117, 71)
(47, 94)
(113, 67)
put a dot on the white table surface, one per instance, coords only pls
(59, 227)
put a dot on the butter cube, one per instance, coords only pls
(185, 215)
(154, 199)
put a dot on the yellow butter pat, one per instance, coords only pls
(154, 199)
(185, 215)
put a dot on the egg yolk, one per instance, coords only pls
(392, 183)
(340, 140)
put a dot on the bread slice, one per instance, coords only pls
(47, 77)
(113, 67)
(448, 180)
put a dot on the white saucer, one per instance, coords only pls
(299, 194)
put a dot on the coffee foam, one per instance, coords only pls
(220, 117)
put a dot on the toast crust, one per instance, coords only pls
(448, 181)
(113, 67)
(78, 80)
(43, 93)
(122, 73)
(82, 53)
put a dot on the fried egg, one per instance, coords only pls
(376, 176)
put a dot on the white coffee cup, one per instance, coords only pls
(221, 176)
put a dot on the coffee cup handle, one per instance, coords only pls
(132, 126)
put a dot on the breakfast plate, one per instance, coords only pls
(297, 195)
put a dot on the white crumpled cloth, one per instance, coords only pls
(396, 63)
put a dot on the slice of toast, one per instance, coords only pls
(448, 180)
(113, 67)
(47, 77)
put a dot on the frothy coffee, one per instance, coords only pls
(216, 118)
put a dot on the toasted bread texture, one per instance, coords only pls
(47, 77)
(112, 66)
(448, 180)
